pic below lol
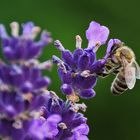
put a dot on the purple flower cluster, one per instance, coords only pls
(78, 70)
(73, 124)
(28, 111)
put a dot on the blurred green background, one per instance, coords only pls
(109, 117)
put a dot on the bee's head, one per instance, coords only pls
(117, 46)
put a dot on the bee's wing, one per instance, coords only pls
(137, 70)
(130, 76)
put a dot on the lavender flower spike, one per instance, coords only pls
(73, 124)
(23, 47)
(23, 88)
(96, 35)
(79, 70)
(74, 70)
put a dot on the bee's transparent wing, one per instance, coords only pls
(130, 75)
(137, 70)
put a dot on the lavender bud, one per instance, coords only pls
(87, 93)
(58, 45)
(66, 89)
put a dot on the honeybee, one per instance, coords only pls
(122, 62)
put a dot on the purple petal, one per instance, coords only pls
(35, 74)
(92, 56)
(65, 77)
(87, 93)
(83, 62)
(8, 53)
(42, 82)
(84, 82)
(68, 117)
(5, 74)
(5, 42)
(98, 66)
(66, 89)
(17, 133)
(83, 129)
(27, 29)
(20, 52)
(77, 121)
(39, 125)
(38, 101)
(76, 55)
(88, 82)
(17, 76)
(5, 127)
(51, 124)
(26, 73)
(55, 107)
(10, 111)
(3, 33)
(45, 38)
(80, 132)
(26, 87)
(67, 56)
(83, 137)
(11, 103)
(96, 34)
(33, 51)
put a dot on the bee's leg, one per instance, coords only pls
(115, 72)
(103, 75)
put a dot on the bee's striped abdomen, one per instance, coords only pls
(119, 84)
